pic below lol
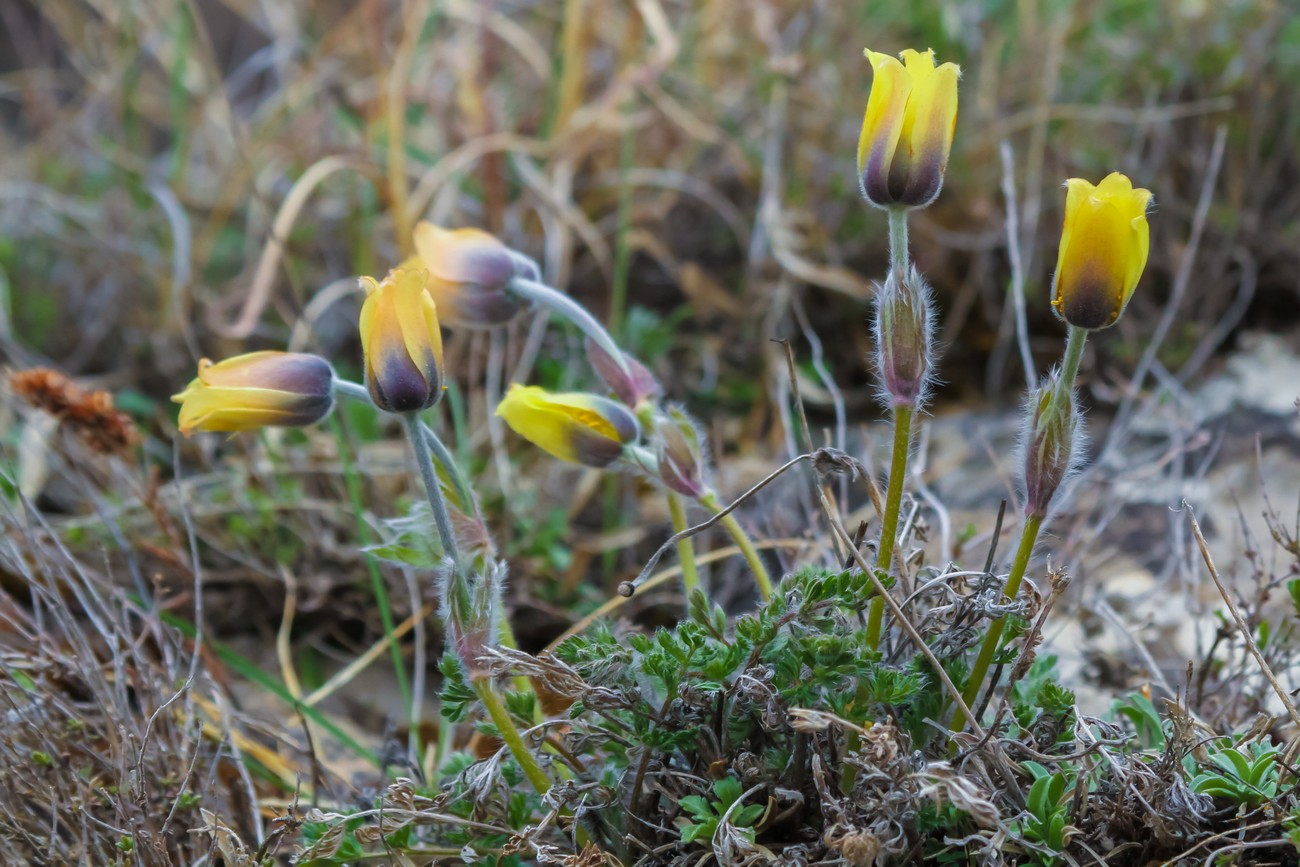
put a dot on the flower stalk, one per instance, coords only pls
(562, 304)
(709, 500)
(685, 550)
(1028, 537)
(889, 527)
(459, 604)
(1074, 344)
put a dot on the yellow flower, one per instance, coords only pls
(576, 427)
(469, 272)
(402, 342)
(907, 131)
(255, 390)
(1104, 248)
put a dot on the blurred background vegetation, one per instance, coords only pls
(185, 177)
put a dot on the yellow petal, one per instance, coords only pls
(464, 255)
(883, 123)
(1094, 265)
(403, 292)
(527, 411)
(575, 427)
(240, 409)
(1105, 240)
(928, 124)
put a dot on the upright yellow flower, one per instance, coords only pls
(402, 342)
(907, 132)
(1104, 248)
(576, 427)
(469, 272)
(255, 390)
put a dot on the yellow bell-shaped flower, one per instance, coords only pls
(469, 272)
(576, 427)
(1103, 251)
(256, 390)
(402, 342)
(907, 131)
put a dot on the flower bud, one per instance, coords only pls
(402, 342)
(907, 131)
(1051, 442)
(904, 338)
(471, 611)
(469, 272)
(580, 428)
(681, 454)
(1104, 246)
(633, 386)
(255, 390)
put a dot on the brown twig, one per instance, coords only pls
(1282, 694)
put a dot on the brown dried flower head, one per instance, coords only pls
(88, 413)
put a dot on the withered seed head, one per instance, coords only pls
(89, 414)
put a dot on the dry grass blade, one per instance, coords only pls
(1247, 637)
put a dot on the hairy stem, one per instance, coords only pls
(709, 500)
(415, 433)
(898, 241)
(1074, 344)
(893, 502)
(562, 304)
(458, 586)
(1028, 536)
(451, 467)
(685, 550)
(510, 734)
(884, 549)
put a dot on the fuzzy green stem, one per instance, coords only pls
(898, 241)
(562, 304)
(449, 464)
(1074, 345)
(415, 433)
(1028, 536)
(709, 500)
(457, 585)
(685, 551)
(893, 502)
(510, 734)
(884, 553)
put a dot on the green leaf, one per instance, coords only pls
(696, 805)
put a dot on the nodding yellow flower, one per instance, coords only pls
(402, 342)
(1104, 247)
(469, 272)
(256, 390)
(907, 131)
(576, 427)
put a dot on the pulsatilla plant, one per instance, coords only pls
(730, 705)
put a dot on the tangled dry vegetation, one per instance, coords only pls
(208, 649)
